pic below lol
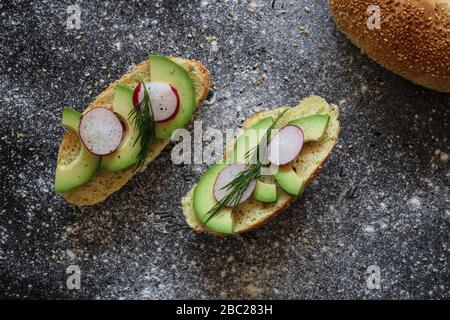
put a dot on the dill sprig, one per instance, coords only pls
(239, 184)
(144, 122)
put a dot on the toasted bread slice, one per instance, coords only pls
(253, 213)
(105, 183)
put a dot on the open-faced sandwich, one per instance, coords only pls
(126, 127)
(264, 169)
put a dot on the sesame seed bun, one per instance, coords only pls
(413, 39)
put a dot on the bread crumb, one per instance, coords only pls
(253, 291)
(251, 6)
(260, 79)
(303, 31)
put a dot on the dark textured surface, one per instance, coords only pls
(382, 197)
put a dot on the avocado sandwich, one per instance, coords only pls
(126, 127)
(289, 144)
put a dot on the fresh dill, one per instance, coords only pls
(144, 122)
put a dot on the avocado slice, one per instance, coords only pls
(204, 200)
(83, 167)
(265, 192)
(71, 119)
(313, 126)
(162, 69)
(127, 153)
(250, 139)
(288, 180)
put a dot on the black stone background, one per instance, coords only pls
(382, 198)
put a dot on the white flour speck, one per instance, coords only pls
(368, 228)
(415, 203)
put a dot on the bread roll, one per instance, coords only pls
(413, 38)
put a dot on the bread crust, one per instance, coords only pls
(205, 76)
(413, 40)
(105, 183)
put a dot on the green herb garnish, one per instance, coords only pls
(145, 124)
(239, 184)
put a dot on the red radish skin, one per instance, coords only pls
(285, 145)
(164, 99)
(225, 176)
(101, 131)
(138, 95)
(175, 91)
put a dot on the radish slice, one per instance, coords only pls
(225, 176)
(101, 131)
(163, 97)
(285, 145)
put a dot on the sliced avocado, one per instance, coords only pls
(204, 200)
(250, 138)
(83, 167)
(162, 69)
(126, 154)
(313, 126)
(265, 192)
(71, 119)
(288, 180)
